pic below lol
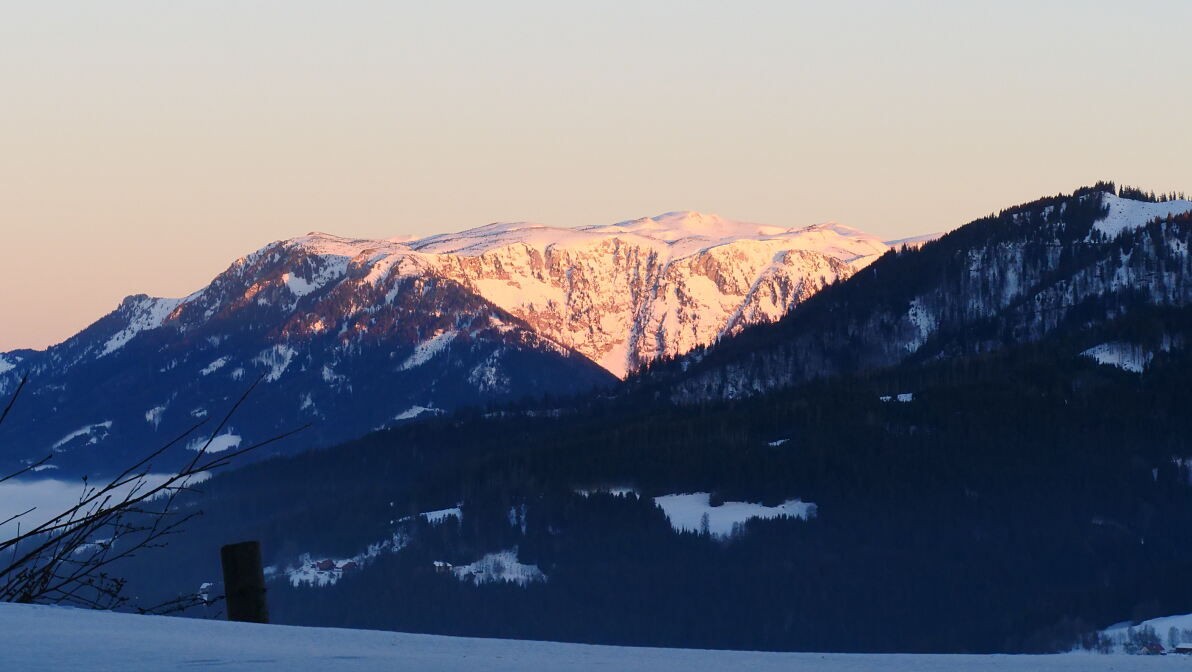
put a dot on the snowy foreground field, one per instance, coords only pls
(55, 638)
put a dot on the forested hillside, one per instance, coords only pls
(1002, 502)
(1060, 263)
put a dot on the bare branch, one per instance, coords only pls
(65, 559)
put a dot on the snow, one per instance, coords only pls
(619, 294)
(1119, 633)
(299, 287)
(686, 512)
(277, 358)
(428, 349)
(902, 397)
(415, 411)
(914, 242)
(42, 638)
(331, 246)
(96, 433)
(776, 442)
(5, 365)
(330, 376)
(923, 322)
(214, 366)
(615, 491)
(598, 289)
(687, 233)
(147, 313)
(1126, 214)
(436, 517)
(333, 266)
(307, 571)
(488, 376)
(500, 566)
(520, 291)
(220, 443)
(1125, 356)
(153, 415)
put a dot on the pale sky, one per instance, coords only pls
(146, 145)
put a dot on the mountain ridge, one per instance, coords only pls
(1008, 278)
(373, 332)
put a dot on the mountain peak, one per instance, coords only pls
(681, 224)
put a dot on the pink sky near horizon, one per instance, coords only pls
(146, 145)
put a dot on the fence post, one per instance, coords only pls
(244, 582)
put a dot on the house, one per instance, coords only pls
(325, 565)
(1153, 650)
(441, 566)
(350, 565)
(1185, 649)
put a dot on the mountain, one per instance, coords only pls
(353, 335)
(1067, 264)
(625, 294)
(978, 443)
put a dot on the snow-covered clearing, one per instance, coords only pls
(415, 411)
(1125, 356)
(153, 415)
(214, 366)
(277, 359)
(615, 491)
(1125, 214)
(1162, 626)
(94, 433)
(222, 442)
(334, 267)
(428, 350)
(499, 566)
(436, 517)
(37, 638)
(686, 512)
(326, 571)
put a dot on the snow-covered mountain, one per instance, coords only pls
(1072, 264)
(625, 294)
(355, 334)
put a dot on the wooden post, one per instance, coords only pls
(244, 582)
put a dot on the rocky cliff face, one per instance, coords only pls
(626, 294)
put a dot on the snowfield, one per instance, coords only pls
(499, 566)
(686, 512)
(57, 638)
(1126, 214)
(1119, 634)
(1125, 356)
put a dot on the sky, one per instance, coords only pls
(146, 145)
